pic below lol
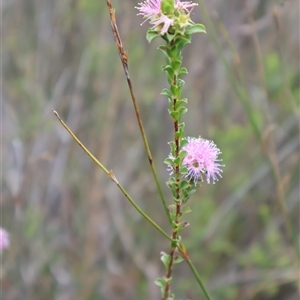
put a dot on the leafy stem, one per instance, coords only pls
(174, 60)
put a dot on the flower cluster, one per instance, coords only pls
(202, 159)
(4, 239)
(163, 14)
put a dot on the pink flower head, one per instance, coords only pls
(163, 20)
(4, 239)
(152, 12)
(185, 5)
(149, 8)
(202, 158)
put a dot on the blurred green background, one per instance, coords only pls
(73, 234)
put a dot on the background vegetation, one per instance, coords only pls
(73, 235)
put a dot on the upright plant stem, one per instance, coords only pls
(124, 59)
(178, 194)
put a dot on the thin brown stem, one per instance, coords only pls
(124, 59)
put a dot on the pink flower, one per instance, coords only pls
(163, 20)
(202, 158)
(149, 8)
(4, 239)
(185, 5)
(152, 12)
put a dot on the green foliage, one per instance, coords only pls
(165, 258)
(182, 42)
(151, 35)
(72, 235)
(195, 28)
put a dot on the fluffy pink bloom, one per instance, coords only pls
(202, 158)
(151, 11)
(4, 239)
(185, 5)
(149, 8)
(163, 20)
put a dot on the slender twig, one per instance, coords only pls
(124, 59)
(112, 176)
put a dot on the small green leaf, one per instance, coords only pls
(178, 260)
(182, 154)
(151, 35)
(175, 199)
(178, 240)
(182, 42)
(174, 89)
(180, 83)
(183, 142)
(162, 284)
(168, 161)
(163, 49)
(174, 115)
(172, 52)
(172, 208)
(181, 125)
(184, 184)
(184, 170)
(170, 72)
(172, 180)
(177, 161)
(168, 280)
(179, 227)
(196, 28)
(166, 92)
(186, 209)
(181, 111)
(176, 64)
(183, 71)
(172, 146)
(177, 134)
(192, 192)
(173, 190)
(180, 133)
(165, 258)
(180, 102)
(167, 68)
